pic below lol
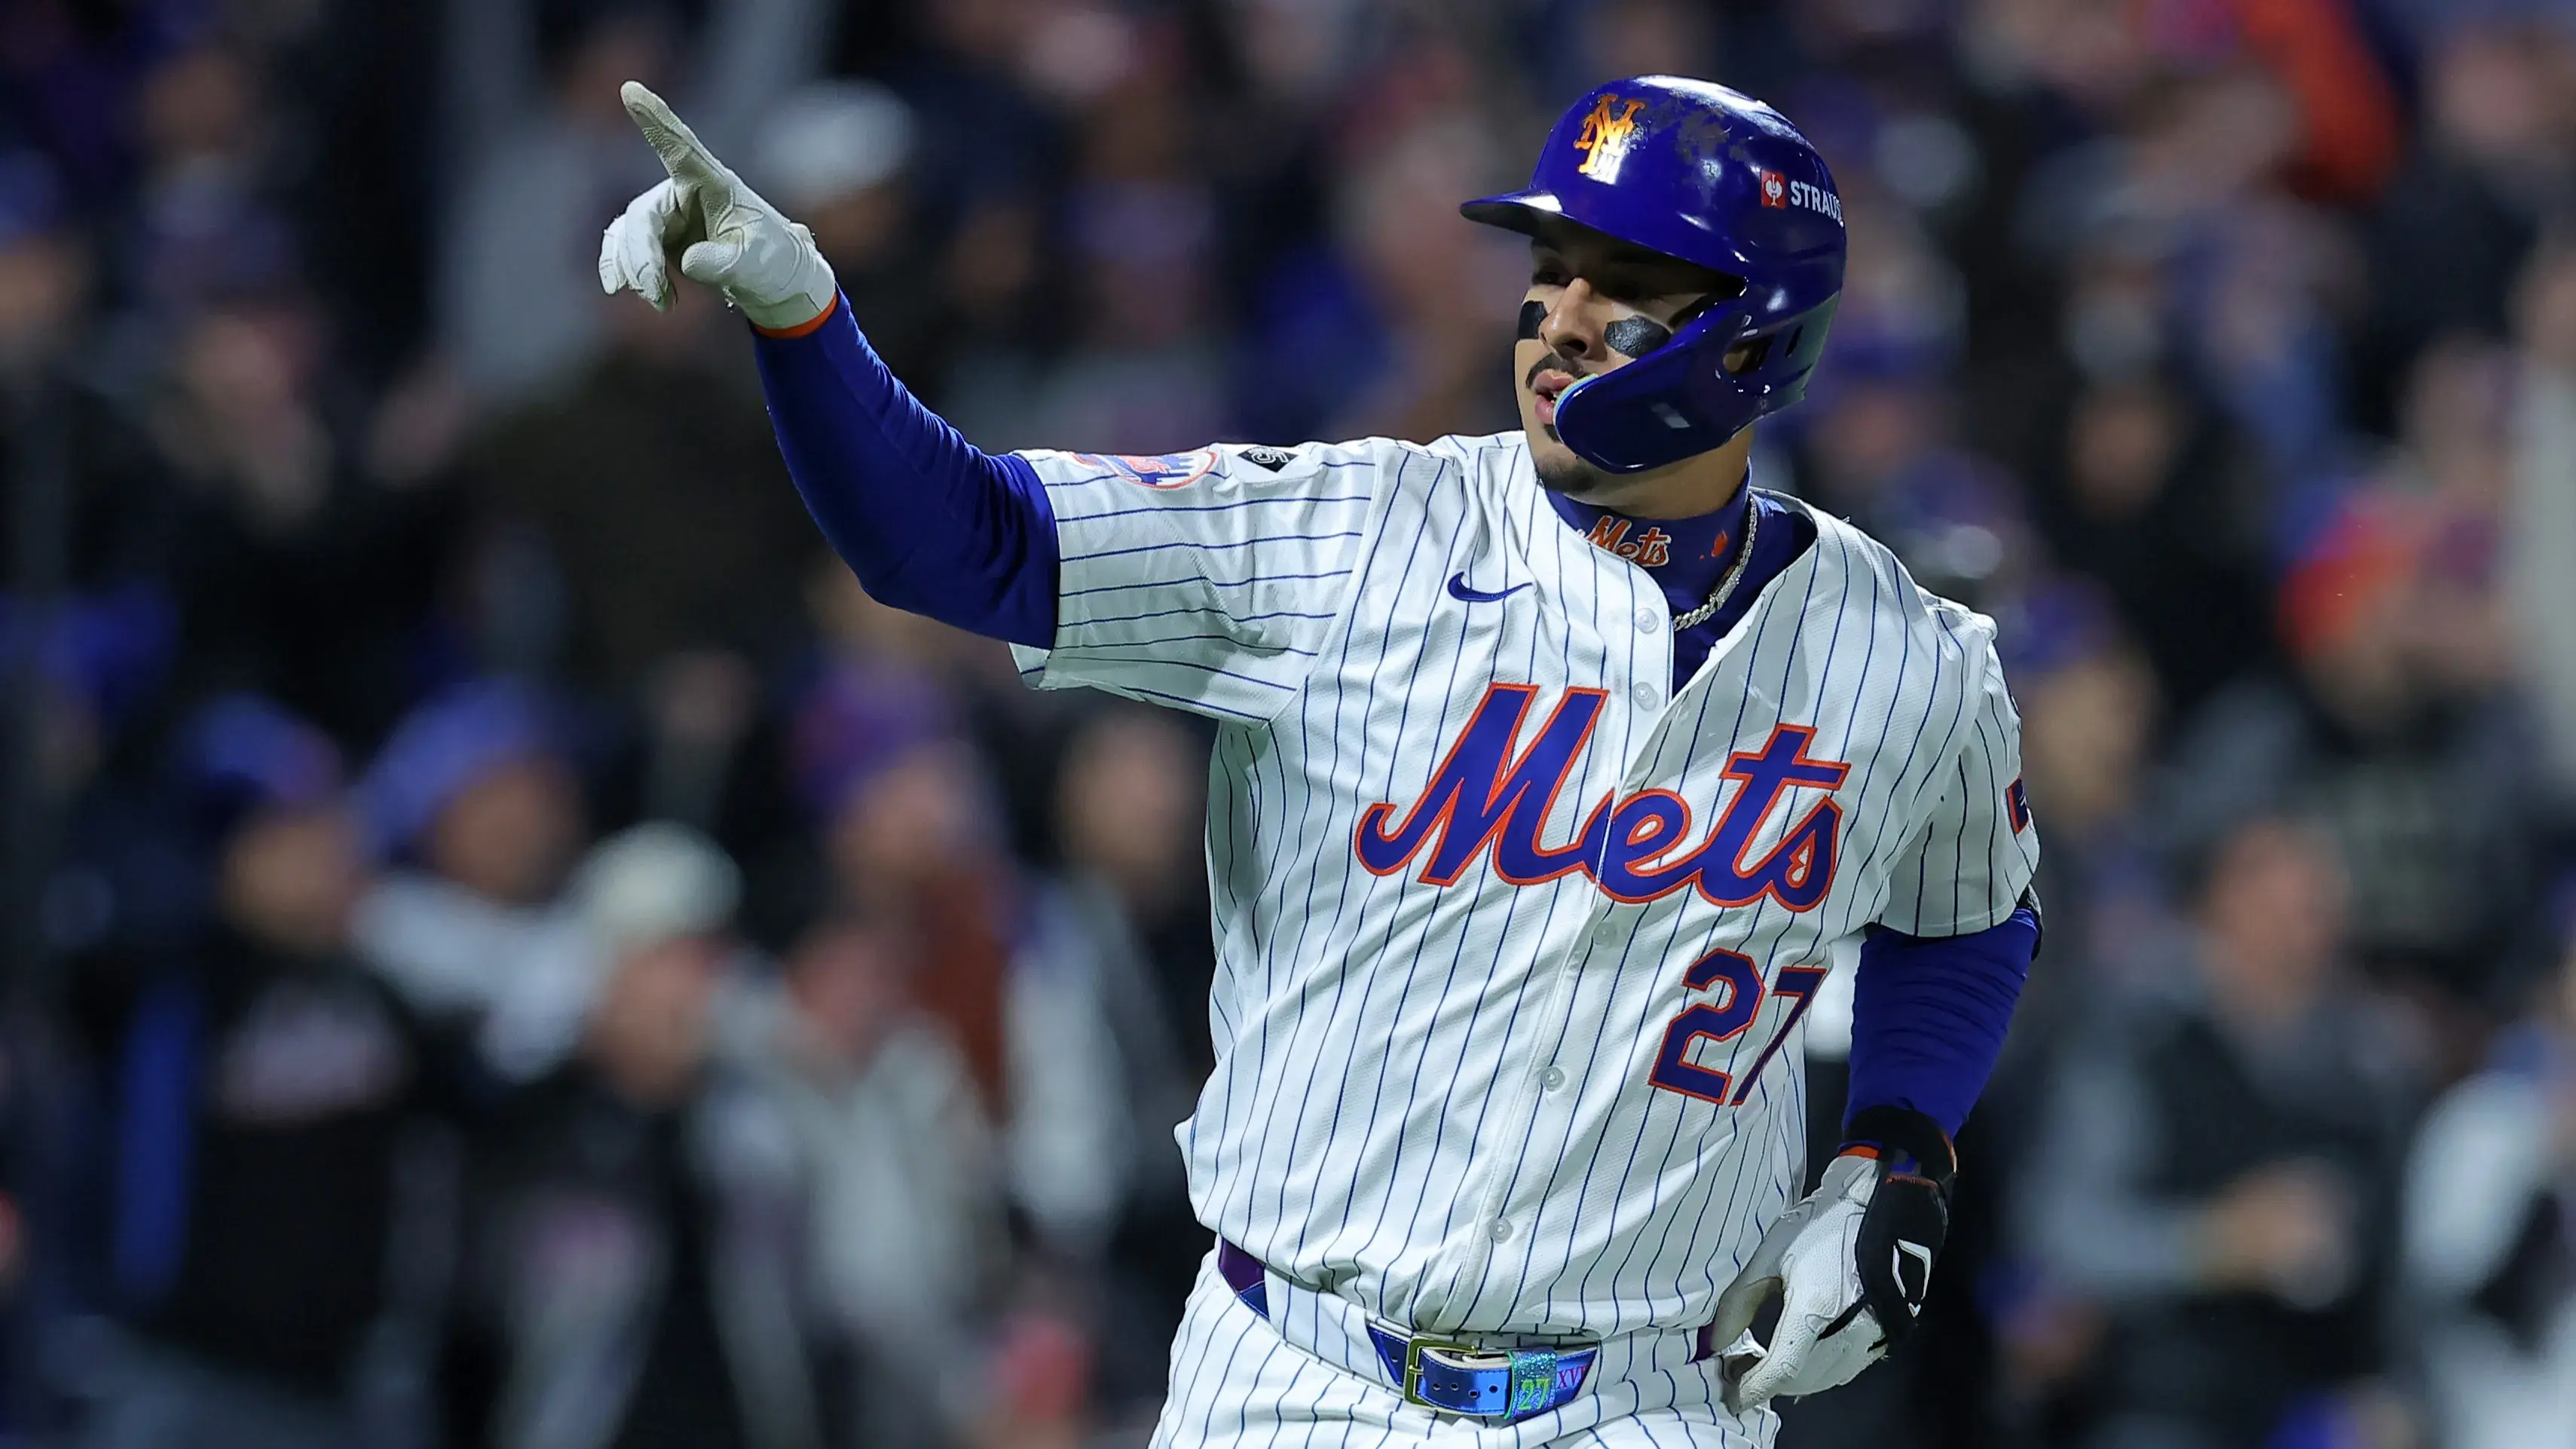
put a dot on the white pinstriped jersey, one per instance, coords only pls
(1512, 947)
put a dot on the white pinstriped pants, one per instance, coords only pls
(1236, 1384)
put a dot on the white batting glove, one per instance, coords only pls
(714, 229)
(1850, 1263)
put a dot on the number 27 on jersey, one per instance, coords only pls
(1737, 984)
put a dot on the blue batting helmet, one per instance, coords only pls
(1712, 176)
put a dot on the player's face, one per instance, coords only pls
(1594, 305)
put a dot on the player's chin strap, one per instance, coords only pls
(1908, 1215)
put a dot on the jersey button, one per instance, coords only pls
(1645, 695)
(1552, 1078)
(1648, 621)
(1501, 1230)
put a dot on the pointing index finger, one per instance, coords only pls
(682, 153)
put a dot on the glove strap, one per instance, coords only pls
(1908, 1217)
(1905, 1142)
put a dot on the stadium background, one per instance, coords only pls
(369, 1078)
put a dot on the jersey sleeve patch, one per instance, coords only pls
(1155, 470)
(2017, 805)
(1273, 459)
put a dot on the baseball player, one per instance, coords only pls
(1554, 769)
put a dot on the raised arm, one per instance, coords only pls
(929, 523)
(1206, 580)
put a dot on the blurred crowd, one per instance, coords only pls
(509, 946)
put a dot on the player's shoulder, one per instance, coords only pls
(1482, 461)
(1943, 625)
(1495, 453)
(1449, 468)
(1361, 464)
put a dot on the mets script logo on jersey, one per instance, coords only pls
(1605, 136)
(1652, 548)
(1490, 792)
(1159, 470)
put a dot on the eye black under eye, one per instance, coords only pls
(1636, 336)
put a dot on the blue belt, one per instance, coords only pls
(1440, 1373)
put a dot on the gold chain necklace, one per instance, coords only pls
(1734, 575)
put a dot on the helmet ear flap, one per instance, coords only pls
(1652, 411)
(1683, 398)
(1701, 308)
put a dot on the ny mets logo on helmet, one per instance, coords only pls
(1604, 139)
(1635, 849)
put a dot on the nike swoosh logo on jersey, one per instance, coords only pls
(1458, 590)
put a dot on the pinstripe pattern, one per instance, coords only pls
(1434, 1101)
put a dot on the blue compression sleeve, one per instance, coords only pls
(1929, 1016)
(930, 523)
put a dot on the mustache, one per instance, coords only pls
(1553, 362)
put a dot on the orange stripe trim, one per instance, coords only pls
(802, 328)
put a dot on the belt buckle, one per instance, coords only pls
(1478, 1382)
